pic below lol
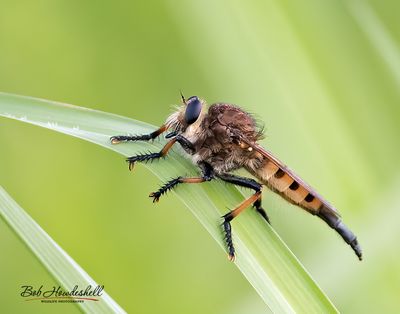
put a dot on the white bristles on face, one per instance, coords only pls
(174, 119)
(193, 131)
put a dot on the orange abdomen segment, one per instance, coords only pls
(284, 183)
(280, 179)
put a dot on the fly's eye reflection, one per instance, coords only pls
(226, 139)
(193, 109)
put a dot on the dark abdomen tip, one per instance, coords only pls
(350, 238)
(336, 223)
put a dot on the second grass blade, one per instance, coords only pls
(60, 265)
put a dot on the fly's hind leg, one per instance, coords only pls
(260, 210)
(255, 199)
(247, 183)
(229, 217)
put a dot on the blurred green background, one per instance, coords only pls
(323, 76)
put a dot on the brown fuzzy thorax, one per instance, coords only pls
(219, 142)
(225, 137)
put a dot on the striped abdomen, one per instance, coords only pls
(283, 181)
(294, 191)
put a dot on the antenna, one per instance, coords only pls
(183, 98)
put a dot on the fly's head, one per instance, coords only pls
(193, 108)
(189, 116)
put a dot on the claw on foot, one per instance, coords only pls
(155, 196)
(114, 140)
(231, 257)
(131, 165)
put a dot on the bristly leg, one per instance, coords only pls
(173, 183)
(150, 156)
(165, 188)
(255, 199)
(228, 236)
(145, 137)
(247, 183)
(208, 175)
(260, 210)
(230, 216)
(240, 181)
(184, 142)
(142, 158)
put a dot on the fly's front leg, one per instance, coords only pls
(150, 156)
(186, 144)
(208, 175)
(145, 137)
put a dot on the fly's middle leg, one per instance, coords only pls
(173, 183)
(150, 156)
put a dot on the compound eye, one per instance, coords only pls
(193, 109)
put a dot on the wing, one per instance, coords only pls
(288, 184)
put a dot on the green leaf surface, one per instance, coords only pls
(59, 264)
(262, 257)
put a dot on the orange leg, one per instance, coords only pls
(232, 214)
(151, 156)
(208, 175)
(145, 137)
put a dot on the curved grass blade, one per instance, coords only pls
(59, 264)
(262, 257)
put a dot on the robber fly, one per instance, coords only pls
(223, 139)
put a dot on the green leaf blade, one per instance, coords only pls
(58, 263)
(262, 257)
